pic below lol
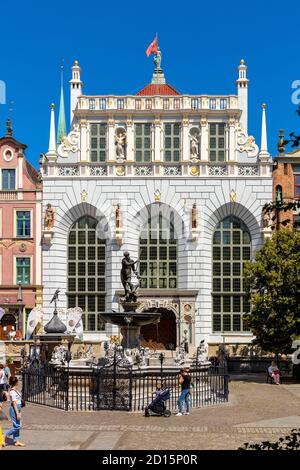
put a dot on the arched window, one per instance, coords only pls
(86, 272)
(158, 253)
(231, 249)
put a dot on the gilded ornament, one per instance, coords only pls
(83, 195)
(194, 170)
(120, 171)
(157, 196)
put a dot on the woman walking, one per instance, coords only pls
(185, 382)
(15, 412)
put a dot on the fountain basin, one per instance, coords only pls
(130, 323)
(134, 318)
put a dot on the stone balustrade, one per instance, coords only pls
(182, 169)
(167, 103)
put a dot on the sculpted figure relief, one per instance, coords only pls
(194, 147)
(157, 60)
(49, 217)
(120, 139)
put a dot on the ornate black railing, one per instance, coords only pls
(118, 386)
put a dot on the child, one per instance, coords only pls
(159, 389)
(274, 372)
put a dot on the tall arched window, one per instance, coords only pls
(231, 249)
(158, 253)
(86, 272)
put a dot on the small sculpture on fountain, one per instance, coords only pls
(180, 355)
(89, 355)
(59, 355)
(201, 352)
(129, 278)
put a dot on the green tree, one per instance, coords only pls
(273, 287)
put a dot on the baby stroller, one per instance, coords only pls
(157, 407)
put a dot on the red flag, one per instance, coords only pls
(152, 49)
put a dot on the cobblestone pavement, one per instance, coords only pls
(256, 411)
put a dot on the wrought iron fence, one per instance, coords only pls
(118, 386)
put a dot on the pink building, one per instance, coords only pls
(20, 237)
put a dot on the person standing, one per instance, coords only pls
(7, 377)
(185, 382)
(3, 395)
(15, 413)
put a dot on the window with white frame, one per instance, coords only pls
(158, 253)
(148, 103)
(23, 265)
(217, 142)
(296, 171)
(172, 142)
(138, 104)
(231, 250)
(87, 272)
(9, 180)
(98, 134)
(23, 224)
(142, 142)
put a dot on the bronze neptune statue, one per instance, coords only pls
(129, 278)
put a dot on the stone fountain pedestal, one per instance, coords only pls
(130, 322)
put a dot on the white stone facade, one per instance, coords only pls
(74, 186)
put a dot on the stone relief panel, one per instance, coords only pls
(70, 143)
(245, 143)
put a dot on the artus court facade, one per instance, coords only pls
(174, 179)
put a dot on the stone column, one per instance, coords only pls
(185, 140)
(204, 139)
(83, 141)
(231, 140)
(157, 140)
(111, 140)
(130, 140)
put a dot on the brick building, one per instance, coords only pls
(286, 182)
(20, 236)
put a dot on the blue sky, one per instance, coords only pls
(201, 42)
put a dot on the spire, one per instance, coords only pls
(52, 143)
(242, 89)
(61, 130)
(264, 154)
(75, 88)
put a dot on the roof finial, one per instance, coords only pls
(52, 144)
(264, 154)
(61, 130)
(281, 142)
(9, 132)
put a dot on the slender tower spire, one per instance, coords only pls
(62, 129)
(242, 89)
(75, 89)
(52, 142)
(264, 154)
